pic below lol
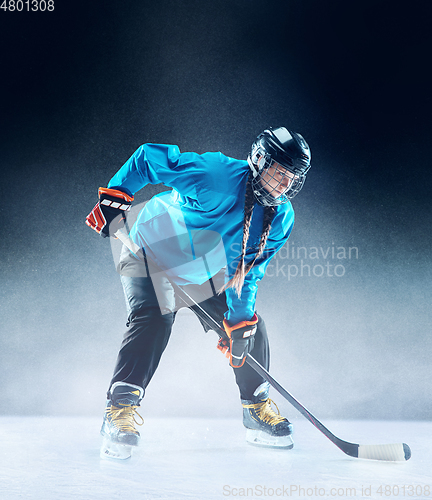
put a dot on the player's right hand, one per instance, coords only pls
(112, 205)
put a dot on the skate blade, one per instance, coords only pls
(110, 450)
(261, 438)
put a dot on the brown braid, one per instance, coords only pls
(237, 280)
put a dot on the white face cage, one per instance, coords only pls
(271, 183)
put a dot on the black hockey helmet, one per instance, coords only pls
(273, 151)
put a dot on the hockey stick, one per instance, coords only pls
(387, 452)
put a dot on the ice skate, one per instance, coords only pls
(118, 427)
(264, 426)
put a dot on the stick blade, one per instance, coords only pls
(388, 452)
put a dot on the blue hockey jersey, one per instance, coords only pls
(196, 229)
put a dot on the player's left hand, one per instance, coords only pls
(242, 340)
(112, 203)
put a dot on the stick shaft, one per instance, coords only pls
(349, 448)
(378, 452)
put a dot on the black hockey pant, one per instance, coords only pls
(152, 306)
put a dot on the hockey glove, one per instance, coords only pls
(111, 206)
(241, 339)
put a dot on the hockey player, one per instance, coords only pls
(216, 202)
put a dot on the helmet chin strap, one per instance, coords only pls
(263, 197)
(253, 167)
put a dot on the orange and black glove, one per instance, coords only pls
(241, 340)
(111, 206)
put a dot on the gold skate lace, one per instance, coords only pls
(124, 417)
(266, 413)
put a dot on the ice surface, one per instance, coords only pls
(57, 458)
